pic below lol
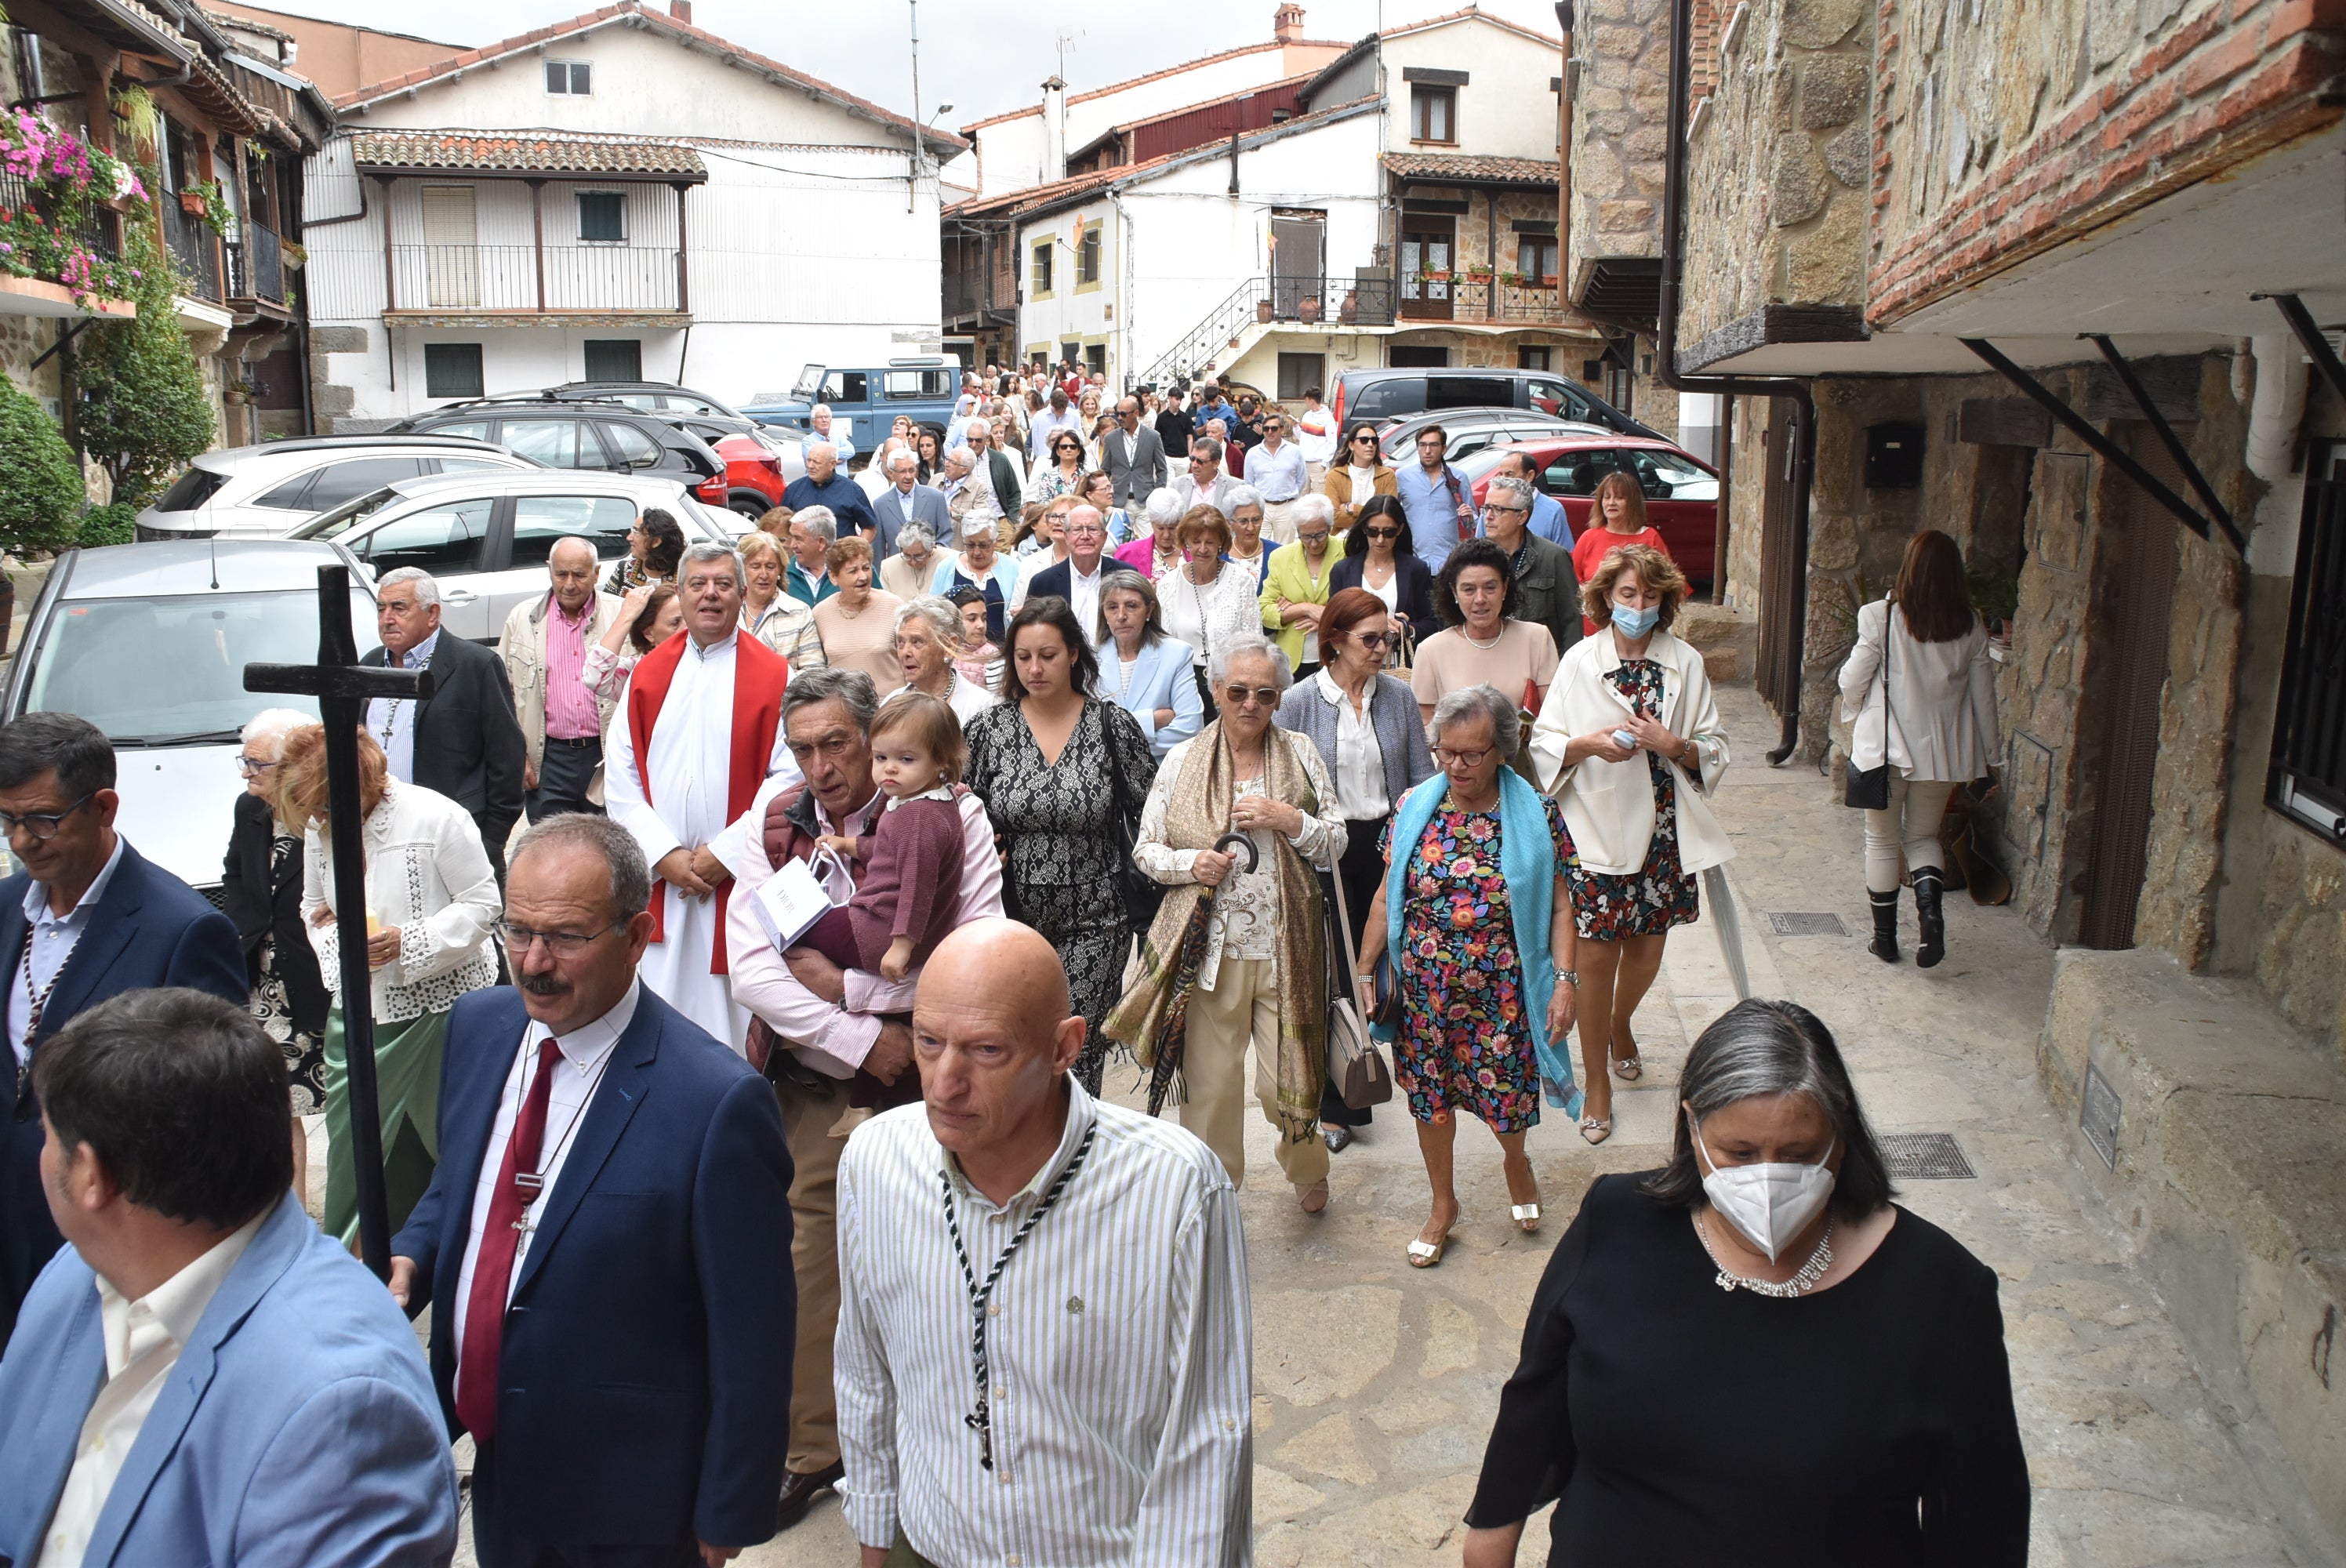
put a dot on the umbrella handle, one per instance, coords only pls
(1231, 843)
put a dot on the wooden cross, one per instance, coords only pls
(344, 686)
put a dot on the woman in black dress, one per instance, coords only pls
(1063, 775)
(1752, 1354)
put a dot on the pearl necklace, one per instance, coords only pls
(1487, 646)
(1799, 1284)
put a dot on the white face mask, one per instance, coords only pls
(1769, 1203)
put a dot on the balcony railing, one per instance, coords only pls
(511, 278)
(1351, 302)
(1459, 298)
(256, 266)
(974, 293)
(195, 248)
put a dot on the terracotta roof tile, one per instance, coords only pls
(1472, 166)
(456, 151)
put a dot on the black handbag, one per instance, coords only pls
(1142, 892)
(1868, 790)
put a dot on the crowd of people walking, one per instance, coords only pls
(942, 793)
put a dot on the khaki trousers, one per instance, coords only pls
(1279, 521)
(807, 1121)
(1242, 1008)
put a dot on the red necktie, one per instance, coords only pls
(484, 1314)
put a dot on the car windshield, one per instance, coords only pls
(170, 671)
(810, 382)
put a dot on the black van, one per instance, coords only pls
(1380, 395)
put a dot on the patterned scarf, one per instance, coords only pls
(1152, 1016)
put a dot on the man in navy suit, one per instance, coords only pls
(87, 918)
(905, 500)
(606, 1241)
(1075, 579)
(201, 1376)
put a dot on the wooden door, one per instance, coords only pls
(451, 253)
(1783, 597)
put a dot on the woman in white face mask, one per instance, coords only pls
(1630, 743)
(1752, 1354)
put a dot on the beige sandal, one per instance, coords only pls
(1425, 1254)
(1596, 1129)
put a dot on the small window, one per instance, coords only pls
(1534, 258)
(602, 218)
(630, 447)
(2307, 782)
(287, 498)
(1554, 397)
(1434, 114)
(905, 385)
(1533, 359)
(1088, 255)
(1042, 274)
(615, 358)
(682, 404)
(452, 370)
(1298, 372)
(571, 78)
(1665, 476)
(1576, 473)
(478, 429)
(846, 387)
(444, 539)
(343, 482)
(1095, 359)
(539, 521)
(552, 441)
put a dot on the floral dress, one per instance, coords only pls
(1658, 894)
(1465, 1042)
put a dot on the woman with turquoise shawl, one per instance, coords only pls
(1478, 916)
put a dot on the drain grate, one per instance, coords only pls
(1807, 925)
(1925, 1156)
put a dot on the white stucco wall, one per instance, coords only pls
(1504, 110)
(802, 246)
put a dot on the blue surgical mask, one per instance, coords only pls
(1634, 624)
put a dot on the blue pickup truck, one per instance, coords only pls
(866, 401)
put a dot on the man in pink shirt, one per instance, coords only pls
(819, 1027)
(544, 647)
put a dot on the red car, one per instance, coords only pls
(1681, 491)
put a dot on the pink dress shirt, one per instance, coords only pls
(570, 711)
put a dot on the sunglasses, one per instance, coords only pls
(1249, 696)
(1375, 642)
(1370, 439)
(1384, 533)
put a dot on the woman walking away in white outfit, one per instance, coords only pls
(1937, 729)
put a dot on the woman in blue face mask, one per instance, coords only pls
(1764, 1269)
(1630, 743)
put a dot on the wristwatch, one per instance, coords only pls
(1570, 977)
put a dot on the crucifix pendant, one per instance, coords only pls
(980, 1422)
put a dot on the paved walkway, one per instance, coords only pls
(1375, 1383)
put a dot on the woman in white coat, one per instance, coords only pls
(1923, 650)
(431, 899)
(1643, 823)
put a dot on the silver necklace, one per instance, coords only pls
(1799, 1284)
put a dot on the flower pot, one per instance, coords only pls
(1308, 311)
(1548, 280)
(191, 203)
(1262, 310)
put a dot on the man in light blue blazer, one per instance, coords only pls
(199, 1376)
(906, 500)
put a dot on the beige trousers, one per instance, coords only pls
(1242, 1008)
(807, 1121)
(1279, 521)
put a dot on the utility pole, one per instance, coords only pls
(912, 186)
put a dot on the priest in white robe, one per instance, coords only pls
(698, 734)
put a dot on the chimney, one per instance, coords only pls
(681, 10)
(1286, 24)
(1054, 130)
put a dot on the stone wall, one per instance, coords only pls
(1778, 167)
(1617, 131)
(23, 339)
(2004, 130)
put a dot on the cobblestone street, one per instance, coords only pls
(1375, 1383)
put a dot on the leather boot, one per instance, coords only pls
(1929, 917)
(1884, 946)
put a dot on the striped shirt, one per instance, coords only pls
(1117, 1339)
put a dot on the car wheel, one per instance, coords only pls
(748, 504)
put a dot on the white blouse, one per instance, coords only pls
(1208, 615)
(1360, 759)
(427, 875)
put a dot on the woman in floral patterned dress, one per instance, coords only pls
(1477, 909)
(1643, 824)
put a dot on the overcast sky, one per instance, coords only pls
(982, 58)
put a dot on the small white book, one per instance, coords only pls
(788, 902)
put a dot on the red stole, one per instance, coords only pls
(759, 674)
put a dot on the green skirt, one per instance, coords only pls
(407, 1086)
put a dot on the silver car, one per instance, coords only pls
(484, 538)
(266, 491)
(149, 642)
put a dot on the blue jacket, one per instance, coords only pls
(149, 929)
(297, 1429)
(893, 509)
(645, 1366)
(1164, 677)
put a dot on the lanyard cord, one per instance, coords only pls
(981, 1420)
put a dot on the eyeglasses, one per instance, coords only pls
(1510, 511)
(253, 766)
(40, 826)
(560, 944)
(1449, 758)
(1384, 533)
(1315, 540)
(1375, 642)
(1250, 696)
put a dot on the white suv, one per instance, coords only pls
(266, 491)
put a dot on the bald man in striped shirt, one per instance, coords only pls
(1102, 1413)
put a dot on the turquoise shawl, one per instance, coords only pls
(1527, 862)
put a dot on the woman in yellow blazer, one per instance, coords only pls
(1358, 474)
(1295, 585)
